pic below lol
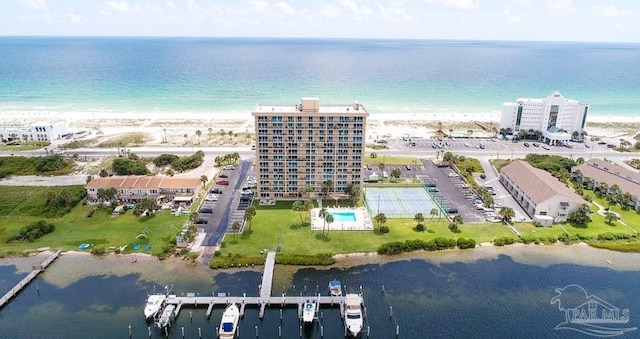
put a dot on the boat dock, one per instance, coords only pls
(24, 282)
(262, 301)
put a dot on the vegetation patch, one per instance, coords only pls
(500, 163)
(126, 140)
(50, 202)
(131, 165)
(47, 165)
(34, 231)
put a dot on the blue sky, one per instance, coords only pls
(546, 20)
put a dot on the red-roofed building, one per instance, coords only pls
(131, 189)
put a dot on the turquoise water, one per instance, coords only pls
(214, 75)
(343, 216)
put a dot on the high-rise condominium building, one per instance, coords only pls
(553, 118)
(308, 145)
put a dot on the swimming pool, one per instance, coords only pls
(343, 216)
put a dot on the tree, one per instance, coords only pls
(327, 187)
(103, 173)
(469, 132)
(453, 227)
(298, 206)
(448, 156)
(322, 214)
(147, 204)
(193, 217)
(329, 219)
(381, 166)
(610, 217)
(580, 215)
(574, 135)
(457, 219)
(395, 173)
(380, 218)
(354, 192)
(203, 180)
(186, 136)
(198, 134)
(88, 179)
(235, 226)
(580, 161)
(433, 213)
(506, 213)
(210, 132)
(503, 132)
(419, 218)
(249, 213)
(450, 132)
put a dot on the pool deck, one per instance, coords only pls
(362, 223)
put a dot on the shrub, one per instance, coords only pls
(98, 251)
(34, 231)
(503, 241)
(384, 229)
(420, 228)
(464, 243)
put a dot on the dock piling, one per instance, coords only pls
(256, 331)
(182, 328)
(199, 333)
(149, 331)
(390, 311)
(129, 331)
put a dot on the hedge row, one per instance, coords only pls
(435, 244)
(282, 259)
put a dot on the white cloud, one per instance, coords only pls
(259, 5)
(35, 4)
(330, 11)
(119, 6)
(457, 4)
(561, 6)
(511, 17)
(610, 11)
(170, 4)
(74, 18)
(285, 8)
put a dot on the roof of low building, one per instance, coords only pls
(611, 174)
(143, 182)
(539, 185)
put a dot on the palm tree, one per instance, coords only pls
(469, 132)
(186, 136)
(164, 138)
(203, 180)
(434, 212)
(249, 213)
(583, 134)
(322, 214)
(198, 134)
(508, 130)
(298, 206)
(329, 219)
(574, 135)
(531, 132)
(450, 132)
(419, 218)
(236, 227)
(506, 213)
(380, 218)
(210, 130)
(580, 161)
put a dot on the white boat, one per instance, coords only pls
(335, 288)
(229, 322)
(309, 311)
(166, 317)
(154, 304)
(353, 313)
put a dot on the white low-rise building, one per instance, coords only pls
(538, 192)
(40, 131)
(554, 118)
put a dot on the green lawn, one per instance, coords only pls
(279, 225)
(390, 160)
(101, 229)
(20, 206)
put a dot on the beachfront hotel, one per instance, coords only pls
(307, 144)
(554, 118)
(40, 131)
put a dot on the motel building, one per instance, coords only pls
(307, 144)
(554, 118)
(544, 198)
(131, 189)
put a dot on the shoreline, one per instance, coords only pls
(178, 128)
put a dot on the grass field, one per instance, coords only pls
(20, 206)
(390, 160)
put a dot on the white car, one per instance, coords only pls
(546, 147)
(211, 197)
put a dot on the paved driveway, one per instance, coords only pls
(501, 193)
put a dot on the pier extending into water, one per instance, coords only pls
(26, 280)
(262, 301)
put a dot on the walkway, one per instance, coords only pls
(24, 282)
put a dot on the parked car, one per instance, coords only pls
(586, 145)
(535, 144)
(483, 176)
(223, 176)
(526, 144)
(205, 210)
(216, 191)
(407, 167)
(201, 221)
(211, 197)
(452, 211)
(222, 182)
(546, 147)
(228, 167)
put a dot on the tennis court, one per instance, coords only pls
(398, 202)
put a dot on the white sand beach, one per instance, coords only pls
(179, 128)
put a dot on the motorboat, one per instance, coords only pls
(353, 313)
(335, 288)
(167, 316)
(309, 311)
(154, 304)
(229, 322)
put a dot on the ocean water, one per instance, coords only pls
(222, 75)
(496, 297)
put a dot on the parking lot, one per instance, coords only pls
(452, 191)
(492, 145)
(217, 215)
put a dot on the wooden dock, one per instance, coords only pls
(24, 282)
(262, 301)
